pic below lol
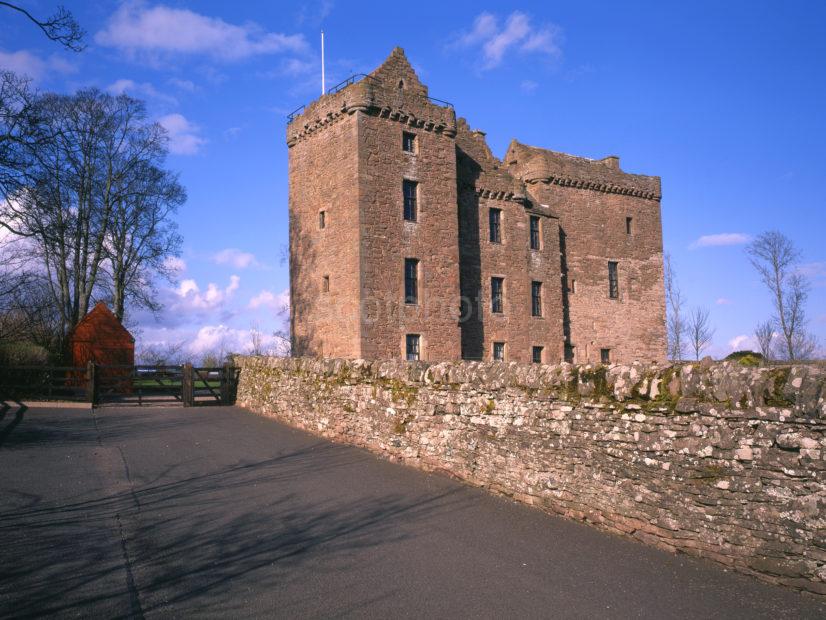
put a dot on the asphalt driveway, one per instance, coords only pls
(215, 511)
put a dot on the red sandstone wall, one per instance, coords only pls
(593, 221)
(346, 157)
(485, 184)
(323, 170)
(387, 239)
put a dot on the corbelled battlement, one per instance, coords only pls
(392, 91)
(538, 165)
(480, 170)
(379, 171)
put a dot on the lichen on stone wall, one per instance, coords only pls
(718, 460)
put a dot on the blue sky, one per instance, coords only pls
(723, 100)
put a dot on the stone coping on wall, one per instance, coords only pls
(713, 459)
(776, 392)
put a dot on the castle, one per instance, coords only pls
(409, 238)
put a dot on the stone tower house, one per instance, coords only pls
(409, 238)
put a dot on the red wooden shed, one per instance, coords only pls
(101, 338)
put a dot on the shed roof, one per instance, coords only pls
(100, 325)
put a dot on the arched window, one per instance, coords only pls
(401, 84)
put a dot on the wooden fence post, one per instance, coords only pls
(91, 383)
(187, 388)
(225, 383)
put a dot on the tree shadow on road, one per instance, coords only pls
(203, 541)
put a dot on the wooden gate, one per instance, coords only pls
(209, 385)
(138, 385)
(121, 384)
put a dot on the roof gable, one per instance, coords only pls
(397, 72)
(100, 324)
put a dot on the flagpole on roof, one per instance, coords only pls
(322, 63)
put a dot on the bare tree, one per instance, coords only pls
(59, 209)
(676, 322)
(282, 345)
(256, 340)
(764, 333)
(94, 203)
(60, 26)
(699, 329)
(27, 315)
(776, 259)
(16, 106)
(142, 235)
(165, 354)
(805, 345)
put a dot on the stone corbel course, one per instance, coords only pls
(711, 459)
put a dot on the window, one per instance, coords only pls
(408, 142)
(325, 284)
(410, 190)
(572, 288)
(569, 353)
(499, 351)
(605, 356)
(536, 355)
(495, 222)
(322, 219)
(411, 281)
(465, 309)
(628, 225)
(613, 282)
(496, 285)
(536, 298)
(535, 237)
(412, 342)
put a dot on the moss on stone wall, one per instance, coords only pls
(629, 446)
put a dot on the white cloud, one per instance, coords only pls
(297, 66)
(212, 337)
(33, 66)
(137, 29)
(184, 138)
(518, 34)
(720, 239)
(186, 287)
(742, 342)
(484, 28)
(314, 12)
(274, 301)
(142, 89)
(175, 264)
(813, 270)
(528, 86)
(187, 85)
(723, 301)
(231, 133)
(236, 258)
(222, 339)
(190, 296)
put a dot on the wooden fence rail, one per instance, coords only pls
(100, 384)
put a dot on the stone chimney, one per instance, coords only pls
(612, 161)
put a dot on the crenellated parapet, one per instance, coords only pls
(392, 91)
(387, 184)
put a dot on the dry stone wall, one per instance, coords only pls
(715, 460)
